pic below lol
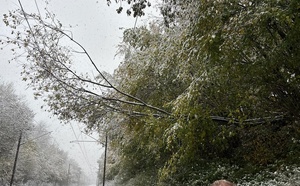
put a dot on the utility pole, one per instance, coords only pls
(16, 159)
(79, 178)
(68, 176)
(105, 152)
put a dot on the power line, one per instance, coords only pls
(84, 155)
(36, 137)
(84, 149)
(77, 141)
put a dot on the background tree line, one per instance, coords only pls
(40, 160)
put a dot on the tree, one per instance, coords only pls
(40, 160)
(228, 110)
(15, 117)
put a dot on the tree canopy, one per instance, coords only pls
(209, 91)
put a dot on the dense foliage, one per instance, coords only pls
(229, 76)
(210, 91)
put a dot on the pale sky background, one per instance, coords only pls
(99, 29)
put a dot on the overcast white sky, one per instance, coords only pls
(99, 29)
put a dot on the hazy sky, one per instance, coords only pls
(99, 29)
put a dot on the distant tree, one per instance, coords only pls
(43, 161)
(40, 160)
(15, 117)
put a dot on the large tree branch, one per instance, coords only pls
(137, 101)
(251, 122)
